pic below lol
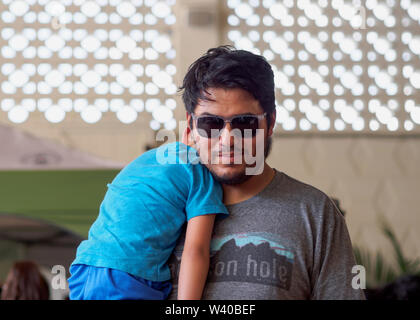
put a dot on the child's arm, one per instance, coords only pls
(195, 257)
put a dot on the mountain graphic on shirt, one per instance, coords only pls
(253, 238)
(247, 257)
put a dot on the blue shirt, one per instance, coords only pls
(145, 208)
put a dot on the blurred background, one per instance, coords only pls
(85, 86)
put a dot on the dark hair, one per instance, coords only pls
(25, 282)
(228, 68)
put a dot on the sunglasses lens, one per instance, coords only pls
(211, 126)
(247, 124)
(205, 125)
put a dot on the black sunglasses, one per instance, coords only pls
(206, 123)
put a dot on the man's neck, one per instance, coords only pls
(237, 193)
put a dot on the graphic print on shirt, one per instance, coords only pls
(255, 257)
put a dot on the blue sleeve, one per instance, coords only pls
(205, 194)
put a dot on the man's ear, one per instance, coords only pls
(186, 135)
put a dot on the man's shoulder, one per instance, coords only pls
(302, 190)
(306, 196)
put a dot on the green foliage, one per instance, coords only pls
(378, 271)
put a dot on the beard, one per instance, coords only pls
(239, 177)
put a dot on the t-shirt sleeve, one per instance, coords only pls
(333, 259)
(205, 194)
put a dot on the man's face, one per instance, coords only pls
(220, 154)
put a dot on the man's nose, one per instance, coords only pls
(227, 136)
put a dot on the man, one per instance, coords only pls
(283, 239)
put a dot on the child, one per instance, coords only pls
(139, 222)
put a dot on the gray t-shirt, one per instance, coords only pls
(287, 242)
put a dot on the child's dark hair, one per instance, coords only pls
(227, 68)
